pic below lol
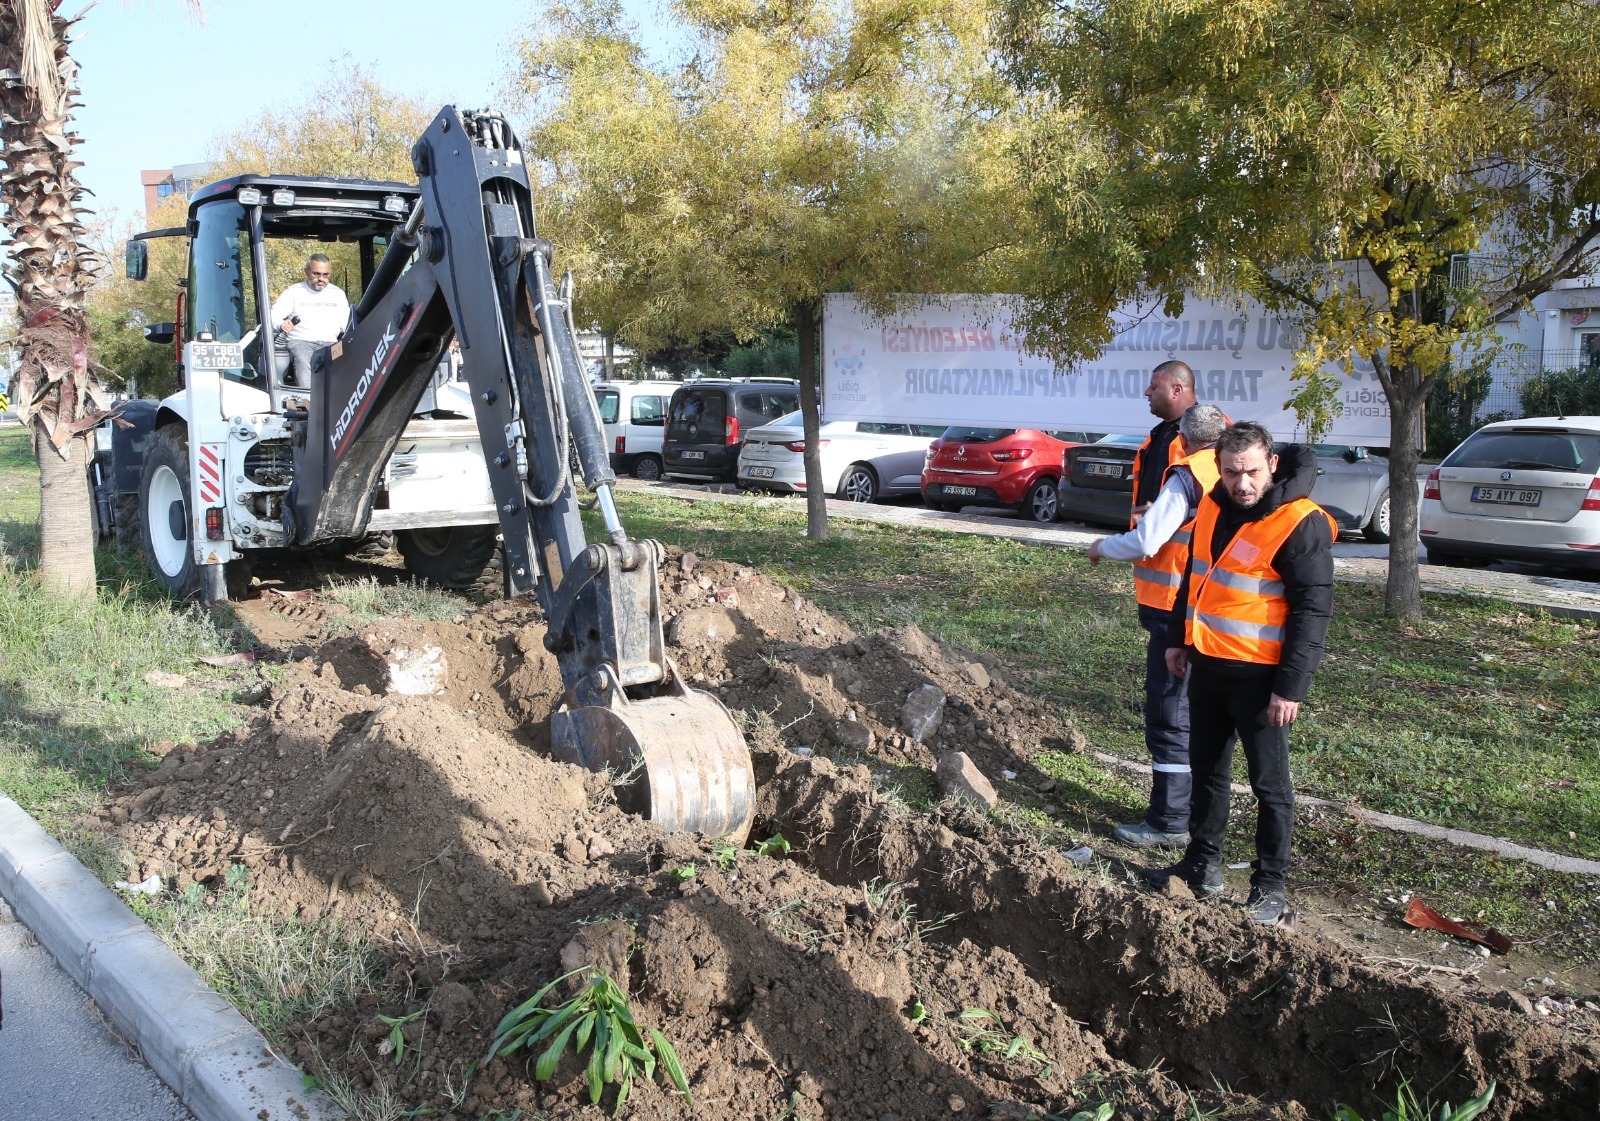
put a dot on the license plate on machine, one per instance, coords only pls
(758, 472)
(964, 492)
(1108, 470)
(691, 455)
(1507, 496)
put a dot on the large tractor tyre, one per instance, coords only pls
(858, 485)
(1377, 528)
(125, 511)
(449, 557)
(164, 510)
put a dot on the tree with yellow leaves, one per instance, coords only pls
(803, 147)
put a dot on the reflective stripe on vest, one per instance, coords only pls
(1156, 579)
(1237, 608)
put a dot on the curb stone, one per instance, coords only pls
(211, 1057)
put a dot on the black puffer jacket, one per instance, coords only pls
(1304, 561)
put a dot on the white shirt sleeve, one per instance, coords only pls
(283, 306)
(1164, 518)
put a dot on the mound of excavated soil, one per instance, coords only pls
(395, 781)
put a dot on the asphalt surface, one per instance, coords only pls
(58, 1059)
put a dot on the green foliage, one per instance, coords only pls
(683, 873)
(978, 1029)
(775, 845)
(725, 856)
(803, 148)
(598, 1018)
(1574, 392)
(131, 363)
(1453, 410)
(397, 1033)
(777, 355)
(1408, 1108)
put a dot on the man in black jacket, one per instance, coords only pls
(1259, 596)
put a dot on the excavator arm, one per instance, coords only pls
(469, 265)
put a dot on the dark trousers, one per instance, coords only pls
(1219, 707)
(1166, 730)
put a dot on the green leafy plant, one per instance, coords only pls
(598, 1018)
(683, 873)
(774, 845)
(1104, 1112)
(918, 1012)
(725, 856)
(397, 1033)
(1407, 1107)
(980, 1030)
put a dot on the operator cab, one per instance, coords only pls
(251, 226)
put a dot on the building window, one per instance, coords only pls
(164, 190)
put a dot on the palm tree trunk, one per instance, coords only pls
(66, 563)
(51, 269)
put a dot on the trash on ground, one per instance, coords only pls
(243, 657)
(1080, 855)
(1424, 917)
(1240, 864)
(150, 886)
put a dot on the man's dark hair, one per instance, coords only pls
(1175, 369)
(1242, 437)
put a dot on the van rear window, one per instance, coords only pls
(608, 401)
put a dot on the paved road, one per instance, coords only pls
(58, 1059)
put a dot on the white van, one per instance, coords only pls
(634, 414)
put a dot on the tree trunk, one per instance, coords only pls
(805, 325)
(1403, 598)
(66, 536)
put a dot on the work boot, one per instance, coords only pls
(1267, 904)
(1144, 836)
(1203, 880)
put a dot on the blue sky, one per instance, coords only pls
(158, 86)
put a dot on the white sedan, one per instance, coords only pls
(1523, 490)
(862, 461)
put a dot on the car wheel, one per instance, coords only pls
(858, 485)
(647, 467)
(1377, 528)
(164, 510)
(1041, 502)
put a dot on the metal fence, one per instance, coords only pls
(1517, 382)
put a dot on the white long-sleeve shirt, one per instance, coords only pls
(1173, 506)
(322, 314)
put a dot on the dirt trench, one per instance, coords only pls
(887, 967)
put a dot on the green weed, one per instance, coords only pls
(1407, 1107)
(599, 1019)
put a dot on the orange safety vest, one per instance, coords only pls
(1156, 579)
(1237, 609)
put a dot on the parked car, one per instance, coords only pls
(1011, 467)
(635, 415)
(1097, 480)
(862, 461)
(706, 420)
(1525, 490)
(1352, 485)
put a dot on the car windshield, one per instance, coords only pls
(1527, 449)
(1121, 438)
(976, 435)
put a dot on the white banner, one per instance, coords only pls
(953, 360)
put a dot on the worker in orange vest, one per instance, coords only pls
(1258, 592)
(1159, 547)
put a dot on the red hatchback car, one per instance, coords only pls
(1011, 467)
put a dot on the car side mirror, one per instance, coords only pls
(160, 333)
(137, 260)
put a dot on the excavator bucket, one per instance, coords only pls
(679, 759)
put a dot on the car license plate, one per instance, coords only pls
(758, 472)
(691, 455)
(963, 492)
(1507, 496)
(1109, 470)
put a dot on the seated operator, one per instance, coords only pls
(312, 314)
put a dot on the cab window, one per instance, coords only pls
(648, 411)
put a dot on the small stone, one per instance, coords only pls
(1176, 889)
(959, 777)
(1046, 786)
(957, 1103)
(977, 674)
(1513, 1001)
(922, 711)
(687, 562)
(541, 893)
(705, 583)
(729, 598)
(599, 847)
(703, 626)
(856, 736)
